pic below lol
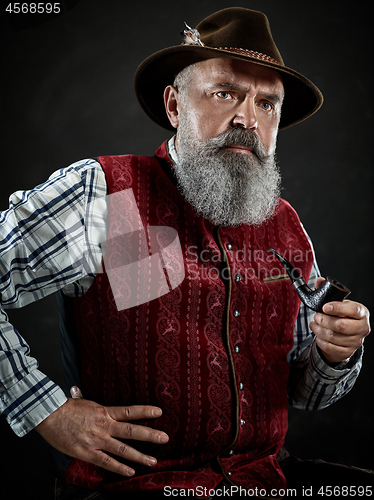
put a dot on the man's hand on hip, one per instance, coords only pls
(88, 431)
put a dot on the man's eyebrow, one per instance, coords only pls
(224, 86)
(275, 98)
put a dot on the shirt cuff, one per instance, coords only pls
(328, 372)
(27, 403)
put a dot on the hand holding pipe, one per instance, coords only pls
(330, 289)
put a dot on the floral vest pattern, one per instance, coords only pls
(212, 353)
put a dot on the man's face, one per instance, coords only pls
(227, 115)
(228, 93)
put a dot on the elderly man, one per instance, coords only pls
(188, 390)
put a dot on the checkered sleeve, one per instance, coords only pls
(42, 240)
(313, 384)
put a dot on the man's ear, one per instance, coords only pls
(172, 104)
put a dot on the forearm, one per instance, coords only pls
(27, 396)
(42, 249)
(314, 385)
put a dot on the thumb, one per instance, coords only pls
(76, 392)
(319, 282)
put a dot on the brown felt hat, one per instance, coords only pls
(236, 33)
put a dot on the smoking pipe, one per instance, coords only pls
(330, 289)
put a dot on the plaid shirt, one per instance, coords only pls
(36, 260)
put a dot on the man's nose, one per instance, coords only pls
(246, 115)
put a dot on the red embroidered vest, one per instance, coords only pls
(211, 352)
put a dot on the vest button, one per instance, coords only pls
(229, 246)
(237, 278)
(229, 473)
(241, 386)
(237, 349)
(231, 452)
(236, 313)
(242, 422)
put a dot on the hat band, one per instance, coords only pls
(250, 53)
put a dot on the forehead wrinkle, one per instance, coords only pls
(232, 75)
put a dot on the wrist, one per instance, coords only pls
(340, 365)
(337, 365)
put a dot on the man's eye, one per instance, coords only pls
(266, 106)
(224, 95)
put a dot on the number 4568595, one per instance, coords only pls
(33, 8)
(345, 491)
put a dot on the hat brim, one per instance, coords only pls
(302, 97)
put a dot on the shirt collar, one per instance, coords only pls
(172, 151)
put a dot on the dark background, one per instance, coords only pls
(67, 94)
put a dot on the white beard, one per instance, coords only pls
(226, 187)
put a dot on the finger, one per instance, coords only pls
(126, 430)
(103, 460)
(121, 429)
(129, 453)
(135, 412)
(76, 392)
(345, 325)
(334, 353)
(319, 282)
(334, 337)
(347, 308)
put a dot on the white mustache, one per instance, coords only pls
(240, 137)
